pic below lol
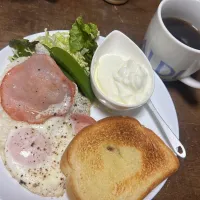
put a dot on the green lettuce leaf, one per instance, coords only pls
(83, 38)
(22, 48)
(61, 40)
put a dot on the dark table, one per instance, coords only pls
(19, 18)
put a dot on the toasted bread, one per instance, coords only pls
(116, 159)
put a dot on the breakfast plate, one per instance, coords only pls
(160, 98)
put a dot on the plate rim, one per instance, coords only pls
(154, 192)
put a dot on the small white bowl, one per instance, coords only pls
(118, 43)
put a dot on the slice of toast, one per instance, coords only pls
(116, 159)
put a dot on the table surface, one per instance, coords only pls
(19, 18)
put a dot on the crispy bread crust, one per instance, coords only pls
(157, 159)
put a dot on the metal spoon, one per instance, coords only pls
(172, 139)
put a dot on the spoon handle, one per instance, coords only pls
(176, 145)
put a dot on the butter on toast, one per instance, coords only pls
(116, 159)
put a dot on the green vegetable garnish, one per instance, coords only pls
(82, 38)
(70, 65)
(22, 48)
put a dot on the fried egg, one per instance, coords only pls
(32, 152)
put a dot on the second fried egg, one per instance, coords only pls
(32, 155)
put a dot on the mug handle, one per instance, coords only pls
(191, 82)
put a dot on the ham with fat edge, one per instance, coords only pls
(36, 89)
(80, 121)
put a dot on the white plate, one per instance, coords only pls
(10, 189)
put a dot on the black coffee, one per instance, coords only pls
(183, 31)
